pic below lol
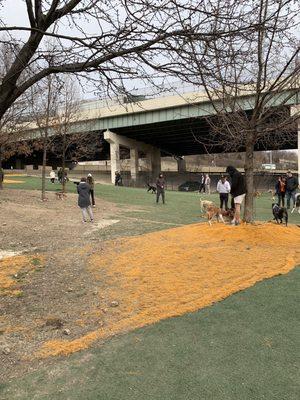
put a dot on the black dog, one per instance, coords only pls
(151, 188)
(280, 213)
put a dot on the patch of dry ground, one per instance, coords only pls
(67, 281)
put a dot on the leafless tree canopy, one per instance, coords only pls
(114, 40)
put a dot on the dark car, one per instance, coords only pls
(189, 186)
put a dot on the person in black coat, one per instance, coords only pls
(238, 191)
(291, 187)
(160, 188)
(84, 201)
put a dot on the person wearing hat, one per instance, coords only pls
(91, 182)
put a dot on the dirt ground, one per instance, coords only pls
(46, 290)
(65, 290)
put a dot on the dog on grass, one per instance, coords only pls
(297, 203)
(151, 188)
(280, 213)
(204, 204)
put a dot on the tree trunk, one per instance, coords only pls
(249, 170)
(63, 162)
(1, 183)
(44, 168)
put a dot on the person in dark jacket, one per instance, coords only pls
(90, 181)
(118, 179)
(84, 201)
(160, 188)
(238, 191)
(291, 187)
(280, 190)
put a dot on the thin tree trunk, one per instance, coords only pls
(44, 167)
(1, 183)
(63, 161)
(249, 170)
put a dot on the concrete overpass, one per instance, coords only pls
(166, 124)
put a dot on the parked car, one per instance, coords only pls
(189, 186)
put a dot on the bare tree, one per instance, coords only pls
(114, 42)
(11, 136)
(250, 79)
(43, 100)
(67, 144)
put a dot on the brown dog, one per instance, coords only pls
(214, 211)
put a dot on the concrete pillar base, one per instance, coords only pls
(153, 154)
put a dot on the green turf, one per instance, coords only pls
(180, 208)
(243, 348)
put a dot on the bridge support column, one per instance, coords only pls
(116, 141)
(134, 163)
(295, 111)
(181, 165)
(154, 160)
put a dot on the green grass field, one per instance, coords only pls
(180, 208)
(243, 348)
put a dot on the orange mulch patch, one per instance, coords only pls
(171, 272)
(12, 268)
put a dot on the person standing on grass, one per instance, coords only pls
(52, 176)
(291, 187)
(118, 179)
(91, 182)
(84, 201)
(160, 188)
(280, 189)
(202, 183)
(238, 192)
(207, 184)
(223, 188)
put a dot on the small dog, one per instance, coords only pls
(151, 188)
(297, 203)
(214, 211)
(204, 204)
(60, 195)
(280, 213)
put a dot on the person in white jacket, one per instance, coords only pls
(52, 176)
(223, 188)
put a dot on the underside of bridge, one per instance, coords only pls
(180, 137)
